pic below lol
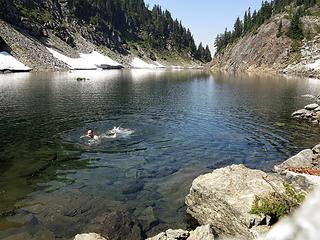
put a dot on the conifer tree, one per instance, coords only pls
(279, 32)
(295, 29)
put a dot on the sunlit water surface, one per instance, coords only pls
(54, 184)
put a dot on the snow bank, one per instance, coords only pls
(8, 62)
(159, 65)
(138, 63)
(315, 65)
(89, 61)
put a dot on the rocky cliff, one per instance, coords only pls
(264, 49)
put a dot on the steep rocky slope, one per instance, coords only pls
(264, 50)
(27, 31)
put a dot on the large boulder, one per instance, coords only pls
(304, 224)
(225, 197)
(302, 159)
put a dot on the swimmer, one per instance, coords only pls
(91, 135)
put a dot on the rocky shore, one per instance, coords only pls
(242, 203)
(236, 202)
(310, 113)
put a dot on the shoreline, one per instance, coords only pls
(258, 72)
(106, 70)
(214, 199)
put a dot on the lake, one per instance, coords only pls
(175, 125)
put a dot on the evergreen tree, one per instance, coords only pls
(253, 21)
(238, 29)
(279, 32)
(207, 57)
(245, 22)
(295, 29)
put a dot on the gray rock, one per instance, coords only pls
(304, 181)
(302, 159)
(316, 149)
(224, 198)
(259, 231)
(317, 109)
(202, 233)
(317, 115)
(311, 106)
(89, 236)
(309, 114)
(304, 224)
(299, 113)
(176, 234)
(170, 234)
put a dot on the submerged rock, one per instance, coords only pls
(224, 198)
(120, 225)
(147, 218)
(133, 187)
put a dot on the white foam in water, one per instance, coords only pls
(118, 132)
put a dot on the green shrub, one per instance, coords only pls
(272, 205)
(278, 205)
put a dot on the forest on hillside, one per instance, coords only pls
(253, 20)
(131, 20)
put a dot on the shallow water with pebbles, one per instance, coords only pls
(174, 126)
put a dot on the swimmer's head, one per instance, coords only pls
(90, 133)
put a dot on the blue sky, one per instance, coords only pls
(206, 18)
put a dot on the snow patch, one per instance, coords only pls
(8, 62)
(138, 63)
(159, 65)
(89, 61)
(315, 65)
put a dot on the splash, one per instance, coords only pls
(118, 132)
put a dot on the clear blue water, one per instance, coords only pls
(185, 123)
